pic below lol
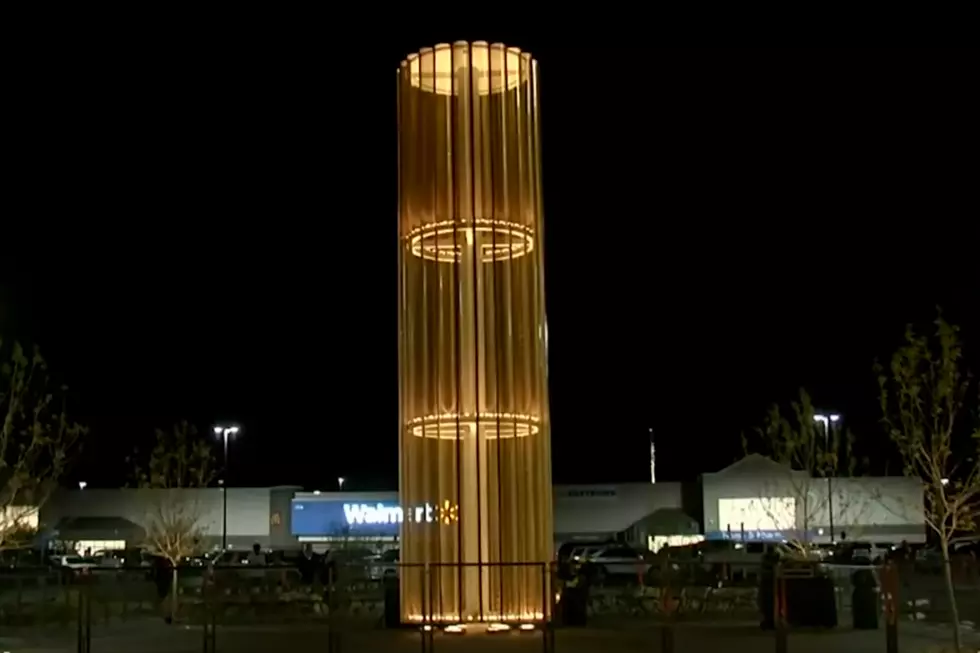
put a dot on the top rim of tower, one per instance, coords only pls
(493, 67)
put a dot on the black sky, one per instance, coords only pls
(724, 227)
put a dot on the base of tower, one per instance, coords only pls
(487, 628)
(442, 620)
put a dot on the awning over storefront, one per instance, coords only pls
(670, 521)
(98, 528)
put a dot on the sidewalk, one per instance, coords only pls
(913, 638)
(156, 637)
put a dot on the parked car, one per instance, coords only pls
(73, 562)
(616, 560)
(968, 546)
(929, 559)
(582, 553)
(385, 565)
(229, 558)
(112, 559)
(858, 553)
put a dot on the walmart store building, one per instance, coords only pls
(752, 500)
(287, 517)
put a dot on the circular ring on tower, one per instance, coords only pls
(490, 68)
(495, 240)
(450, 426)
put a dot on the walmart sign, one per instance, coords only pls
(318, 518)
(362, 513)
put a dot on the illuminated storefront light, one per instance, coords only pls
(657, 542)
(94, 546)
(757, 514)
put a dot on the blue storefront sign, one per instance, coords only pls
(317, 517)
(747, 535)
(750, 535)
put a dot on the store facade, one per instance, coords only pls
(757, 499)
(107, 519)
(643, 515)
(286, 517)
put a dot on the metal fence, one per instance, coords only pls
(233, 609)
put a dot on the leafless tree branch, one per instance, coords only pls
(36, 443)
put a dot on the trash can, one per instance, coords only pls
(392, 602)
(809, 594)
(767, 599)
(573, 607)
(864, 600)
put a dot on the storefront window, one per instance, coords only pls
(89, 547)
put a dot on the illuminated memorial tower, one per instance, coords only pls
(475, 439)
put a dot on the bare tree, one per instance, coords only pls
(813, 454)
(179, 465)
(36, 443)
(923, 401)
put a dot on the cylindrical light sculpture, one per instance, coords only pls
(475, 451)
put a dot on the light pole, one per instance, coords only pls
(340, 483)
(827, 420)
(223, 432)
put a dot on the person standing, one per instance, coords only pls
(256, 563)
(163, 579)
(256, 558)
(328, 574)
(308, 565)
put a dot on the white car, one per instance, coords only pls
(75, 562)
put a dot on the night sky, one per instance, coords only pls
(724, 227)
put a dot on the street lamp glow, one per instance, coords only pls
(82, 485)
(340, 482)
(225, 431)
(826, 419)
(944, 481)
